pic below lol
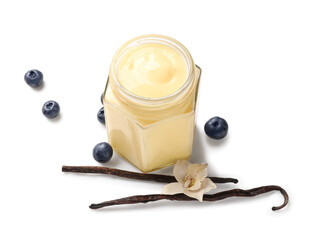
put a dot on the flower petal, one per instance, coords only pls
(198, 170)
(195, 194)
(196, 185)
(207, 185)
(173, 188)
(180, 170)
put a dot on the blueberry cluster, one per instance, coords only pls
(103, 151)
(34, 79)
(215, 128)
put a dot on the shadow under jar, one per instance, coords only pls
(150, 102)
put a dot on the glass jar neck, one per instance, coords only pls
(135, 101)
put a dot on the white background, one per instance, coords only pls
(257, 59)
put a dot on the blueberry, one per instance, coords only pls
(51, 109)
(33, 78)
(102, 152)
(100, 115)
(216, 128)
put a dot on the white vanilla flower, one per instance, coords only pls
(191, 179)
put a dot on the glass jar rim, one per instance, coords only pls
(153, 38)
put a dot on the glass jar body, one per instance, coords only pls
(151, 133)
(152, 143)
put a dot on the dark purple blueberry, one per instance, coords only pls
(100, 115)
(51, 109)
(216, 128)
(102, 152)
(33, 78)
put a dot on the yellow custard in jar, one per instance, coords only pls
(152, 70)
(150, 102)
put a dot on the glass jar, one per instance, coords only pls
(151, 133)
